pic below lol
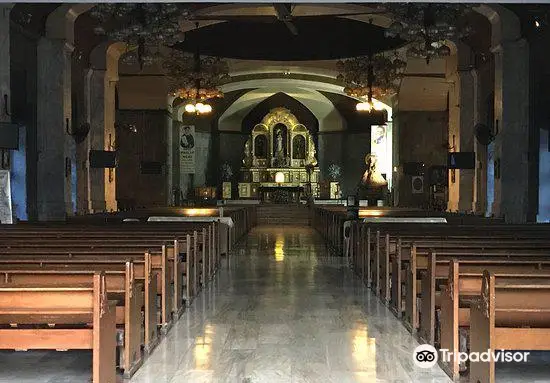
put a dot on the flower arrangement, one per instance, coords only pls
(226, 172)
(334, 172)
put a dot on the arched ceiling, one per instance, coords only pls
(318, 38)
(329, 118)
(302, 113)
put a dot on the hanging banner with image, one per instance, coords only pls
(5, 198)
(187, 149)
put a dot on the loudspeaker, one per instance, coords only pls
(417, 184)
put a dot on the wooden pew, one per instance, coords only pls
(121, 285)
(397, 270)
(169, 264)
(419, 261)
(143, 270)
(57, 310)
(508, 315)
(384, 240)
(205, 242)
(464, 282)
(393, 264)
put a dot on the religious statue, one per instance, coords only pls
(299, 148)
(372, 176)
(247, 161)
(311, 160)
(279, 143)
(372, 186)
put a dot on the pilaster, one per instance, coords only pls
(56, 148)
(512, 178)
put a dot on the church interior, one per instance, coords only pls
(274, 192)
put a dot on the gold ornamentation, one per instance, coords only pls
(280, 116)
(247, 161)
(311, 160)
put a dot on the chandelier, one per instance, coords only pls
(144, 27)
(195, 78)
(427, 27)
(371, 76)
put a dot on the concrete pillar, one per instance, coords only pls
(170, 152)
(96, 140)
(466, 177)
(480, 182)
(101, 111)
(109, 138)
(512, 128)
(56, 148)
(461, 129)
(5, 10)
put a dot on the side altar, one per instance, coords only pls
(279, 162)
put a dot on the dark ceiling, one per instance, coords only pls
(319, 38)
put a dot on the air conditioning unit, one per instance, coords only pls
(417, 184)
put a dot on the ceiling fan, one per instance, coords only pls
(283, 14)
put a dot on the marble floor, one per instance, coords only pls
(281, 309)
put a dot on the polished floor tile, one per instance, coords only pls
(281, 309)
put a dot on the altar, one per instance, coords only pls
(279, 160)
(275, 193)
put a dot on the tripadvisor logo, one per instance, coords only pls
(426, 356)
(486, 356)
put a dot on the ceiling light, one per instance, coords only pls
(428, 26)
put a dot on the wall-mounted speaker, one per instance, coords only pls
(417, 184)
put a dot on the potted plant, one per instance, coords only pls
(334, 173)
(227, 175)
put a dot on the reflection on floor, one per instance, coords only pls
(282, 310)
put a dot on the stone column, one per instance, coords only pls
(466, 177)
(512, 128)
(95, 141)
(5, 10)
(109, 139)
(480, 182)
(101, 111)
(461, 131)
(170, 152)
(55, 145)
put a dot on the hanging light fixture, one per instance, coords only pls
(427, 27)
(144, 27)
(371, 76)
(195, 79)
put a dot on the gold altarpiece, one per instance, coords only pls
(280, 155)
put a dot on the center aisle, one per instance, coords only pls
(284, 310)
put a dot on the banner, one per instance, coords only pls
(5, 198)
(187, 149)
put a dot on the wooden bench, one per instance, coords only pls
(168, 263)
(62, 318)
(393, 261)
(203, 244)
(508, 315)
(464, 282)
(143, 270)
(419, 261)
(121, 285)
(370, 241)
